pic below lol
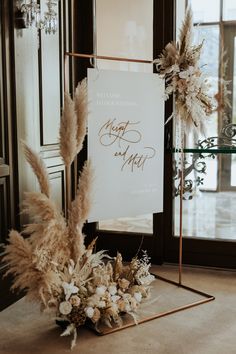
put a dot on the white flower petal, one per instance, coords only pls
(89, 311)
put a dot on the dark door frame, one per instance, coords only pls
(128, 243)
(9, 193)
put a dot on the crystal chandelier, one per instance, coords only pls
(32, 15)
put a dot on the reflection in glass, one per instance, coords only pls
(210, 35)
(205, 11)
(126, 32)
(229, 10)
(208, 215)
(139, 224)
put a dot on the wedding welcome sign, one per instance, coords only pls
(125, 143)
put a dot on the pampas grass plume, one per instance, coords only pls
(81, 108)
(38, 168)
(68, 131)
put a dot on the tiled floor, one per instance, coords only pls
(208, 215)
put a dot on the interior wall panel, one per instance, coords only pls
(50, 83)
(39, 88)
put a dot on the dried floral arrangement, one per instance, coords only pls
(178, 64)
(52, 263)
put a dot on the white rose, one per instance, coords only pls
(89, 311)
(112, 289)
(65, 307)
(102, 304)
(115, 298)
(138, 297)
(101, 290)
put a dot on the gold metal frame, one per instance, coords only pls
(206, 297)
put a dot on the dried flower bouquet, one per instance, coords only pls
(178, 64)
(52, 263)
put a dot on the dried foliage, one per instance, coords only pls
(74, 123)
(79, 211)
(81, 109)
(53, 265)
(39, 169)
(100, 292)
(68, 129)
(179, 65)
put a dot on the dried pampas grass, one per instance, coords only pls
(79, 210)
(52, 264)
(178, 64)
(80, 207)
(52, 239)
(81, 109)
(68, 131)
(185, 36)
(74, 123)
(38, 168)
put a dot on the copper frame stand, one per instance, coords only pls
(206, 297)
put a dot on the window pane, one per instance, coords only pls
(229, 10)
(211, 37)
(205, 10)
(125, 29)
(209, 215)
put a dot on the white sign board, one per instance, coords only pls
(125, 143)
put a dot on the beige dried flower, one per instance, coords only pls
(123, 283)
(121, 305)
(138, 288)
(134, 304)
(96, 315)
(75, 300)
(65, 307)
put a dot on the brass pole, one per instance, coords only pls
(155, 316)
(181, 200)
(103, 57)
(181, 214)
(66, 71)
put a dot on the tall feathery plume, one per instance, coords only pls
(68, 142)
(39, 206)
(68, 131)
(18, 254)
(185, 36)
(79, 210)
(49, 231)
(20, 259)
(39, 169)
(81, 108)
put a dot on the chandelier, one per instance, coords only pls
(32, 15)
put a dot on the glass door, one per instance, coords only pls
(209, 227)
(137, 30)
(228, 173)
